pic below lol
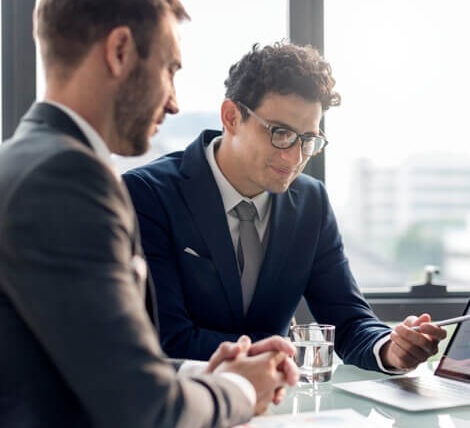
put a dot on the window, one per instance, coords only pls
(219, 34)
(401, 68)
(398, 166)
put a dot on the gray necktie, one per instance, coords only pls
(249, 251)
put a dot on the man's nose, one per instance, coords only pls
(293, 155)
(171, 106)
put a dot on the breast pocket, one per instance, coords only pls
(204, 294)
(199, 272)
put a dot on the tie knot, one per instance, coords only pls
(246, 211)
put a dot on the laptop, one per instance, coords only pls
(449, 386)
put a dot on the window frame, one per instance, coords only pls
(18, 63)
(307, 26)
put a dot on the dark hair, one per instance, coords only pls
(282, 68)
(68, 28)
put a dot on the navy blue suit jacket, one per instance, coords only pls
(200, 305)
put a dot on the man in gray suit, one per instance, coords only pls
(78, 345)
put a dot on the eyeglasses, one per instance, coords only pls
(284, 138)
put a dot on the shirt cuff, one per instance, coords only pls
(194, 368)
(243, 384)
(377, 347)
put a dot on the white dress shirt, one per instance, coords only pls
(231, 198)
(95, 140)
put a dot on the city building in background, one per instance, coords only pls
(409, 216)
(457, 255)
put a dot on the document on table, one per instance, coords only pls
(341, 418)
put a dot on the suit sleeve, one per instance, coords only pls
(68, 246)
(334, 297)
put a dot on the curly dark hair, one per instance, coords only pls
(282, 68)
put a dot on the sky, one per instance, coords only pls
(219, 34)
(402, 67)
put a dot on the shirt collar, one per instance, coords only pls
(95, 140)
(230, 196)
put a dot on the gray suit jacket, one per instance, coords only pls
(78, 348)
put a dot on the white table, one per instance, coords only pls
(305, 399)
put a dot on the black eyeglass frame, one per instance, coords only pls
(308, 136)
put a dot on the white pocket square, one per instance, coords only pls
(139, 265)
(191, 251)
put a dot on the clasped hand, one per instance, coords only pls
(266, 364)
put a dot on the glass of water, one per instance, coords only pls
(315, 345)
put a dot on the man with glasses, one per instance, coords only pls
(235, 235)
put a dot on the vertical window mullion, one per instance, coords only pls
(18, 62)
(306, 26)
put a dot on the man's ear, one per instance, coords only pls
(120, 51)
(231, 116)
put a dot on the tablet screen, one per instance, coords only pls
(455, 363)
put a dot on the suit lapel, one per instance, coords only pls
(60, 121)
(205, 203)
(150, 295)
(280, 240)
